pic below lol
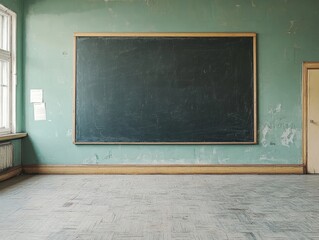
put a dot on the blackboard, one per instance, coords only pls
(165, 88)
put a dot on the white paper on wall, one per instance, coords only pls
(36, 95)
(39, 112)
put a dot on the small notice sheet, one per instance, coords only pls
(36, 95)
(39, 112)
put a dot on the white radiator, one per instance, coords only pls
(6, 155)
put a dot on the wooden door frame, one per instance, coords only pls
(305, 67)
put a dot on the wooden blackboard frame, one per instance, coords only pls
(168, 34)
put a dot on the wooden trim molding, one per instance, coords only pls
(10, 173)
(164, 34)
(163, 169)
(14, 136)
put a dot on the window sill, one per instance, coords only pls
(7, 137)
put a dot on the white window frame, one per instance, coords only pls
(10, 56)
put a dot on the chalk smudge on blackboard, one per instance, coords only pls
(292, 29)
(253, 4)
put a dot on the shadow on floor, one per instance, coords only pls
(14, 181)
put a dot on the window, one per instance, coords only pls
(7, 70)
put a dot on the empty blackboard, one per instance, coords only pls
(165, 88)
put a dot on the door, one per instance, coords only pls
(313, 121)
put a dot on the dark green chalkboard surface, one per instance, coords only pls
(191, 88)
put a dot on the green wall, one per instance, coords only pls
(17, 7)
(287, 36)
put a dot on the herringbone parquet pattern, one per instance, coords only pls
(160, 207)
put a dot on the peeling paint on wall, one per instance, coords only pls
(69, 133)
(108, 156)
(222, 160)
(248, 150)
(287, 137)
(265, 131)
(277, 109)
(92, 160)
(267, 158)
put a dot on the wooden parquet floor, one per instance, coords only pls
(156, 207)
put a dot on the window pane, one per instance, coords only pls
(4, 32)
(4, 95)
(7, 64)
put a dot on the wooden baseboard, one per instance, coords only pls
(10, 173)
(163, 169)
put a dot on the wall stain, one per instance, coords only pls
(108, 156)
(277, 109)
(223, 160)
(69, 133)
(265, 131)
(248, 150)
(92, 160)
(278, 131)
(267, 158)
(287, 137)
